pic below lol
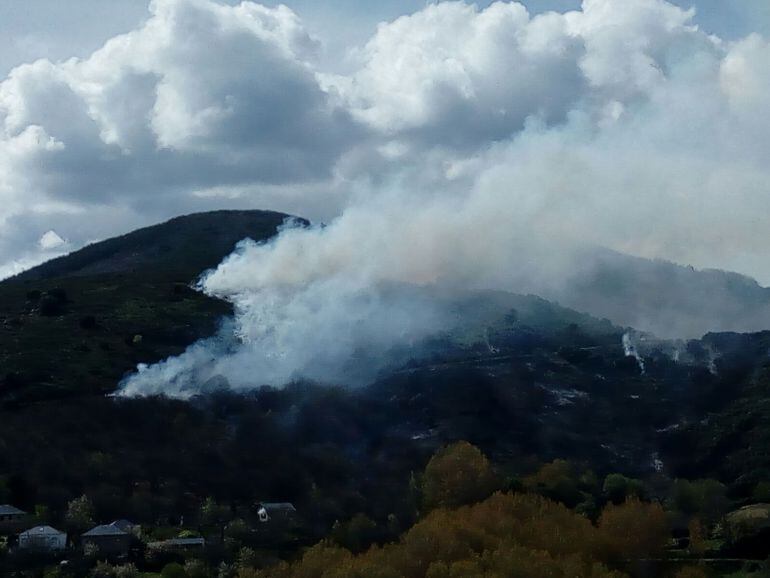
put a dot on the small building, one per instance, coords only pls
(128, 527)
(12, 519)
(108, 539)
(276, 512)
(178, 544)
(43, 539)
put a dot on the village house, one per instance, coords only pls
(43, 539)
(12, 520)
(110, 539)
(129, 527)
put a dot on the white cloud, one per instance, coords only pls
(51, 240)
(202, 95)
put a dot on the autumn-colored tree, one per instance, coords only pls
(697, 537)
(691, 572)
(456, 475)
(520, 535)
(634, 530)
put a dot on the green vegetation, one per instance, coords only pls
(77, 324)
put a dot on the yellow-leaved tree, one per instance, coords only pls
(457, 475)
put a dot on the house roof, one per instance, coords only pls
(42, 531)
(8, 510)
(105, 530)
(124, 525)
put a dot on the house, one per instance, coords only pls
(276, 512)
(128, 527)
(43, 539)
(178, 544)
(108, 539)
(11, 519)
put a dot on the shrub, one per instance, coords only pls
(173, 570)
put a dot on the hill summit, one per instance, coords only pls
(78, 323)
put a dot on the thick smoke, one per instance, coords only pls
(470, 149)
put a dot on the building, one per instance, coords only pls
(276, 512)
(12, 520)
(109, 539)
(43, 539)
(128, 527)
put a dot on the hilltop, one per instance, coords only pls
(78, 323)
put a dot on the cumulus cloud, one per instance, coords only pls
(202, 96)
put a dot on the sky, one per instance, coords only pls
(638, 125)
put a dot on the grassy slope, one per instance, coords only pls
(134, 285)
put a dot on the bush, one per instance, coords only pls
(51, 307)
(173, 570)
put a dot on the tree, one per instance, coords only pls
(634, 530)
(704, 498)
(761, 492)
(213, 514)
(697, 537)
(618, 488)
(80, 514)
(559, 481)
(456, 475)
(357, 534)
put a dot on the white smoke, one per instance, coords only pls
(630, 350)
(500, 149)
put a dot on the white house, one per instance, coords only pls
(43, 539)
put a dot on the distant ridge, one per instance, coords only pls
(664, 298)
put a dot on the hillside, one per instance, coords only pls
(526, 380)
(664, 298)
(78, 323)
